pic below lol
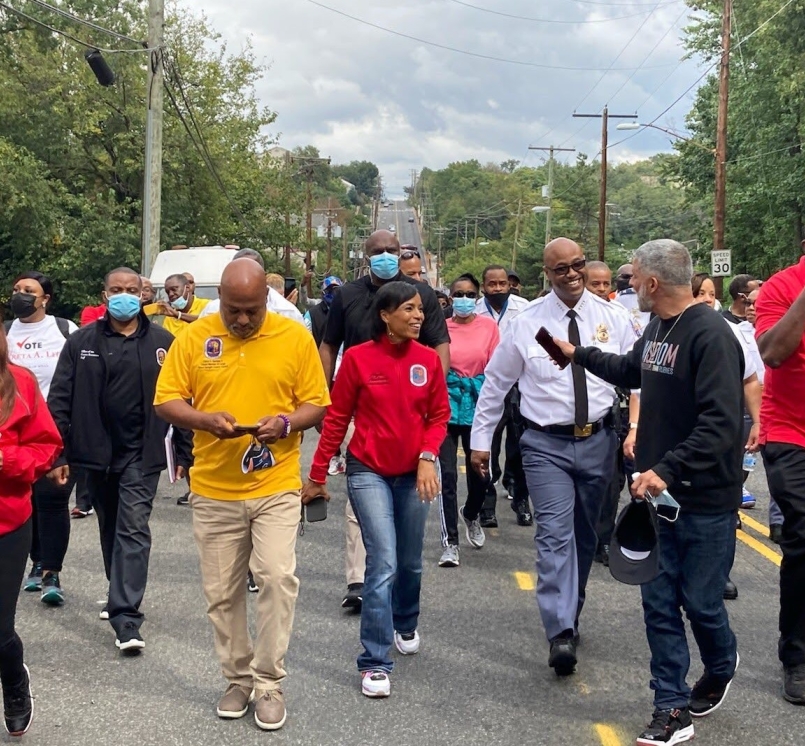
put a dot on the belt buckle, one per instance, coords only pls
(583, 432)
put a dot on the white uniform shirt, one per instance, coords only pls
(546, 392)
(514, 306)
(748, 334)
(628, 299)
(275, 303)
(37, 346)
(750, 361)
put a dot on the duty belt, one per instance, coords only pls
(572, 431)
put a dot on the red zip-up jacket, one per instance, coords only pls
(30, 443)
(398, 397)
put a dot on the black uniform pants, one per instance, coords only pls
(123, 503)
(14, 548)
(51, 522)
(785, 471)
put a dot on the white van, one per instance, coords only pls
(205, 263)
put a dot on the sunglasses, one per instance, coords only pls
(406, 255)
(625, 277)
(465, 294)
(563, 269)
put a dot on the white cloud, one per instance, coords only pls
(358, 92)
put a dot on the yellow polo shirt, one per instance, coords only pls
(273, 372)
(176, 327)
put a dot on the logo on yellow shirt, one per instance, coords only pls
(213, 348)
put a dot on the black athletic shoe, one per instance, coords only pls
(776, 532)
(794, 684)
(354, 597)
(18, 706)
(251, 586)
(562, 658)
(184, 499)
(129, 640)
(668, 727)
(488, 519)
(709, 692)
(602, 555)
(730, 591)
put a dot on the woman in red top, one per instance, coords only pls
(29, 444)
(395, 389)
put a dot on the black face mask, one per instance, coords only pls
(23, 305)
(497, 300)
(622, 283)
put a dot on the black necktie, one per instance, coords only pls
(579, 376)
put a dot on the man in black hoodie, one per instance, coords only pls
(689, 367)
(101, 399)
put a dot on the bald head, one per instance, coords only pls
(243, 297)
(381, 241)
(562, 251)
(564, 266)
(598, 279)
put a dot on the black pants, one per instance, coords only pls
(448, 502)
(82, 498)
(14, 548)
(513, 475)
(51, 522)
(785, 471)
(123, 505)
(622, 469)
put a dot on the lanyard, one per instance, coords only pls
(492, 310)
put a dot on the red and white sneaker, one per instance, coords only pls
(375, 684)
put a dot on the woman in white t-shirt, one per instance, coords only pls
(35, 341)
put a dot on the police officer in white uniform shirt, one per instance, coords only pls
(569, 440)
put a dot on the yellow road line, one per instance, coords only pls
(525, 581)
(607, 735)
(760, 547)
(753, 524)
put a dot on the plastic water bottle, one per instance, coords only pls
(750, 461)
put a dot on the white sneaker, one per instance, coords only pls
(375, 684)
(475, 534)
(449, 556)
(338, 465)
(407, 643)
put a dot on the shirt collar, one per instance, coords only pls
(559, 309)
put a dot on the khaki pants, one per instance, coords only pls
(233, 536)
(356, 552)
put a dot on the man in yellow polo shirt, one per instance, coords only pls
(256, 382)
(182, 308)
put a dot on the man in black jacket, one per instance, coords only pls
(689, 368)
(101, 399)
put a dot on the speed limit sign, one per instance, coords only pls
(721, 263)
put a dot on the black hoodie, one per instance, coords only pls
(689, 370)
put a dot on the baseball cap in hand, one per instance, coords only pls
(634, 552)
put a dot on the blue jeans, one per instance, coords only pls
(696, 555)
(392, 520)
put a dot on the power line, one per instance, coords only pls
(84, 22)
(466, 52)
(549, 20)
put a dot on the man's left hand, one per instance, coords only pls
(271, 429)
(648, 481)
(181, 473)
(753, 443)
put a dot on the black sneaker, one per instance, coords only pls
(129, 640)
(562, 658)
(730, 591)
(52, 593)
(184, 499)
(487, 519)
(794, 684)
(668, 727)
(34, 580)
(18, 706)
(354, 597)
(709, 692)
(251, 586)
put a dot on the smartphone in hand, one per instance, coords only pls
(316, 510)
(246, 429)
(545, 340)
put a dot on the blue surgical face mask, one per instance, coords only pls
(385, 266)
(123, 306)
(463, 307)
(180, 303)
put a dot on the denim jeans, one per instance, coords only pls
(392, 520)
(696, 555)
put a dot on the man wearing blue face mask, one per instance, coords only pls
(101, 400)
(349, 323)
(182, 307)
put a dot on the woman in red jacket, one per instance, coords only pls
(395, 389)
(29, 444)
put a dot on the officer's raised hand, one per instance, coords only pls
(479, 460)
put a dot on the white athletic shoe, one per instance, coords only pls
(375, 684)
(407, 643)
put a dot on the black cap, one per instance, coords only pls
(512, 274)
(634, 551)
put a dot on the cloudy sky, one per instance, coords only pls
(358, 91)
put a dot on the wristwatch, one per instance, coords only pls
(427, 456)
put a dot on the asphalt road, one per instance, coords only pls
(481, 676)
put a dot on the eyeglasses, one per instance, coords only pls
(563, 269)
(406, 255)
(465, 294)
(749, 303)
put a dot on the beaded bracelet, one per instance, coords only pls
(286, 431)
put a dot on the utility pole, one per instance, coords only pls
(344, 250)
(516, 233)
(721, 140)
(475, 240)
(605, 116)
(152, 187)
(308, 162)
(329, 235)
(551, 150)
